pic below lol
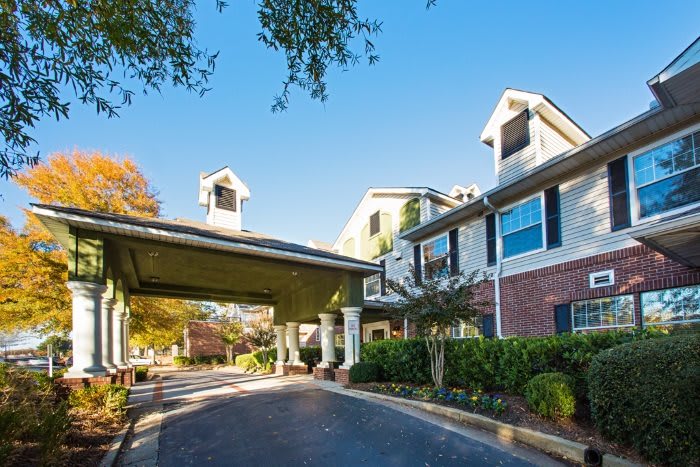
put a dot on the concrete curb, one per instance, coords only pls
(109, 459)
(542, 441)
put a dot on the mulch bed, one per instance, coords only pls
(579, 428)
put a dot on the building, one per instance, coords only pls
(579, 234)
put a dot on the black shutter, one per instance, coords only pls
(382, 277)
(374, 224)
(417, 264)
(515, 134)
(490, 239)
(553, 217)
(562, 318)
(225, 198)
(487, 321)
(454, 252)
(618, 186)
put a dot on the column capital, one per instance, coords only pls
(293, 325)
(327, 317)
(109, 302)
(86, 289)
(279, 327)
(351, 311)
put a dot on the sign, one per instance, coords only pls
(354, 327)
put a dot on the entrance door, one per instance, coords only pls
(378, 334)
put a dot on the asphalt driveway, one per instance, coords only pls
(271, 422)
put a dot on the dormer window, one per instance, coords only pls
(515, 134)
(374, 224)
(225, 198)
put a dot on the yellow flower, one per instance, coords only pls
(474, 398)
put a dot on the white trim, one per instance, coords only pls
(170, 236)
(368, 328)
(447, 255)
(594, 275)
(542, 227)
(589, 328)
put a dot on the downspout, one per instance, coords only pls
(499, 265)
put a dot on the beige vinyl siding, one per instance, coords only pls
(552, 141)
(472, 246)
(436, 209)
(520, 162)
(585, 225)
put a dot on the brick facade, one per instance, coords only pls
(202, 338)
(528, 298)
(342, 376)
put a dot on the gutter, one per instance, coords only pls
(499, 265)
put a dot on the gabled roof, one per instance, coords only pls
(676, 84)
(535, 102)
(399, 191)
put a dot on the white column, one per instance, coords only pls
(126, 349)
(108, 333)
(351, 316)
(281, 331)
(293, 334)
(118, 339)
(327, 339)
(87, 329)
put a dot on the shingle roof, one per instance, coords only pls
(186, 226)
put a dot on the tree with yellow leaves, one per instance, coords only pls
(33, 267)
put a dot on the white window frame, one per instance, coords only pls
(634, 199)
(613, 326)
(543, 216)
(664, 323)
(366, 282)
(452, 328)
(422, 253)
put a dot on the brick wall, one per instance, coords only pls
(202, 338)
(528, 298)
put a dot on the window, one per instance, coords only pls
(340, 340)
(671, 306)
(521, 228)
(464, 329)
(435, 258)
(515, 134)
(374, 224)
(225, 198)
(605, 312)
(668, 177)
(372, 285)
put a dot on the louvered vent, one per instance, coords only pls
(601, 279)
(374, 226)
(515, 134)
(225, 198)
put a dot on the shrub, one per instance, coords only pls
(550, 395)
(365, 372)
(247, 362)
(647, 394)
(141, 373)
(31, 411)
(108, 400)
(181, 360)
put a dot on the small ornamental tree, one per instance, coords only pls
(262, 336)
(231, 333)
(434, 305)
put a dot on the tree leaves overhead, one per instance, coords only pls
(90, 48)
(314, 35)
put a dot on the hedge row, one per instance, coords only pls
(647, 394)
(497, 364)
(181, 360)
(306, 354)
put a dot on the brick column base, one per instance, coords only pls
(323, 374)
(79, 383)
(126, 376)
(291, 370)
(342, 376)
(282, 370)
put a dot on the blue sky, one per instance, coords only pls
(412, 120)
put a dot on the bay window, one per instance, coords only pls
(521, 228)
(668, 177)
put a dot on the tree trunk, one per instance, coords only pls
(229, 353)
(264, 355)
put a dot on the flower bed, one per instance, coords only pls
(466, 398)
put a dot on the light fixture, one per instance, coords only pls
(155, 279)
(295, 274)
(267, 291)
